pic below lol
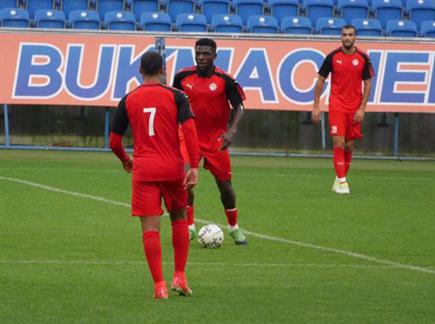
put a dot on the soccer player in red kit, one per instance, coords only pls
(154, 112)
(349, 67)
(210, 90)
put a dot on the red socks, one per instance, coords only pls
(347, 160)
(153, 253)
(180, 242)
(190, 215)
(339, 162)
(231, 216)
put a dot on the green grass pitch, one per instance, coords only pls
(70, 252)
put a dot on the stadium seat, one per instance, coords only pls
(330, 26)
(9, 4)
(385, 10)
(140, 6)
(283, 8)
(263, 25)
(367, 27)
(33, 5)
(351, 9)
(316, 9)
(189, 22)
(120, 20)
(227, 23)
(84, 19)
(104, 6)
(428, 29)
(14, 17)
(176, 7)
(246, 8)
(46, 18)
(70, 5)
(421, 10)
(155, 21)
(296, 25)
(209, 8)
(401, 28)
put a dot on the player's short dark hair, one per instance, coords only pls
(206, 42)
(151, 63)
(349, 26)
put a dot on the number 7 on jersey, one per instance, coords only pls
(152, 111)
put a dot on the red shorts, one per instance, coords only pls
(342, 124)
(146, 197)
(218, 163)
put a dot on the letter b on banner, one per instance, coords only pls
(38, 71)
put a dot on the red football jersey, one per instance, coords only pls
(209, 98)
(154, 112)
(348, 72)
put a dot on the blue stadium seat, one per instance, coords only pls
(209, 8)
(104, 6)
(140, 6)
(283, 8)
(70, 5)
(428, 29)
(263, 25)
(84, 19)
(155, 21)
(9, 4)
(421, 10)
(316, 9)
(296, 25)
(227, 23)
(47, 18)
(401, 28)
(367, 27)
(330, 26)
(120, 20)
(33, 5)
(176, 7)
(351, 9)
(189, 22)
(385, 10)
(246, 8)
(14, 17)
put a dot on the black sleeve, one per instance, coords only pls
(368, 71)
(177, 81)
(120, 119)
(326, 67)
(183, 106)
(233, 91)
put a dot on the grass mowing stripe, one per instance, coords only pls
(200, 264)
(258, 235)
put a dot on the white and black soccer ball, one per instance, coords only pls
(210, 236)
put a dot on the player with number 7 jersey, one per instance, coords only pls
(154, 112)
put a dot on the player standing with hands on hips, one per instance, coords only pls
(154, 112)
(210, 90)
(349, 68)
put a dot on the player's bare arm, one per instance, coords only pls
(315, 115)
(228, 136)
(359, 114)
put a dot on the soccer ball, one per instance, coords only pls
(210, 236)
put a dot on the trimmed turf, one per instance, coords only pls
(71, 259)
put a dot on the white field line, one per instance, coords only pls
(199, 264)
(254, 234)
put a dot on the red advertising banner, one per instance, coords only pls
(277, 74)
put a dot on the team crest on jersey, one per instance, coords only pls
(355, 62)
(212, 86)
